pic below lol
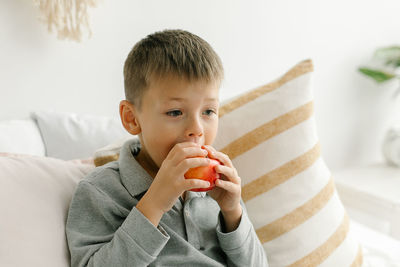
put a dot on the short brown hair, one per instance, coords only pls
(169, 52)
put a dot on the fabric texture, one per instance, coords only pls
(115, 233)
(111, 151)
(35, 193)
(270, 135)
(74, 136)
(21, 136)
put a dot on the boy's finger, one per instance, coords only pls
(195, 183)
(188, 152)
(179, 149)
(209, 148)
(180, 146)
(188, 163)
(214, 154)
(194, 152)
(228, 186)
(230, 173)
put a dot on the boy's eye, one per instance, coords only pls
(174, 113)
(209, 112)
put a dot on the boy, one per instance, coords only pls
(139, 210)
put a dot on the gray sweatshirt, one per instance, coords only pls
(104, 228)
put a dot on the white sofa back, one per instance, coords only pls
(59, 135)
(35, 193)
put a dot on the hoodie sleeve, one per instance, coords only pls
(242, 246)
(98, 233)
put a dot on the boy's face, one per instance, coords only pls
(176, 110)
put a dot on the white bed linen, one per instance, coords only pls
(379, 250)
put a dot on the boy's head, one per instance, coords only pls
(175, 52)
(172, 80)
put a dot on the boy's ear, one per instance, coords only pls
(128, 114)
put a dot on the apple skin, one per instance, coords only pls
(206, 173)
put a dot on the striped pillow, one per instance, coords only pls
(270, 135)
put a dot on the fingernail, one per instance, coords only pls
(203, 147)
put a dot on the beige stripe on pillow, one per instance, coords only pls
(303, 68)
(341, 256)
(268, 130)
(297, 216)
(311, 184)
(270, 135)
(276, 152)
(280, 175)
(321, 253)
(359, 259)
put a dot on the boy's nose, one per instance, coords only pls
(195, 138)
(194, 130)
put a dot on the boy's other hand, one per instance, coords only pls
(227, 190)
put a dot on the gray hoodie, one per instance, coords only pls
(104, 228)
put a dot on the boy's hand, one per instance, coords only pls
(228, 189)
(170, 182)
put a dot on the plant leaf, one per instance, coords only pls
(377, 75)
(394, 62)
(388, 54)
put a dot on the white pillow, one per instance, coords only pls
(21, 136)
(35, 193)
(72, 136)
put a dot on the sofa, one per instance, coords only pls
(44, 156)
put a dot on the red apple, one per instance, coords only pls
(206, 173)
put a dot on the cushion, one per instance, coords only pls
(35, 193)
(75, 136)
(21, 136)
(270, 135)
(110, 152)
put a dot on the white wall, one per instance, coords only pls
(256, 40)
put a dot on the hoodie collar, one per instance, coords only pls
(135, 179)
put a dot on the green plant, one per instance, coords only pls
(378, 75)
(386, 64)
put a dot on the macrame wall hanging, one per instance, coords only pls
(69, 18)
